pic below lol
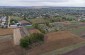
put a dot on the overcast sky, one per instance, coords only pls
(72, 3)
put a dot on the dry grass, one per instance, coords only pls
(8, 48)
(61, 35)
(56, 40)
(6, 31)
(31, 31)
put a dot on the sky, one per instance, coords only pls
(68, 3)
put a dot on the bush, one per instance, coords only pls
(35, 26)
(13, 21)
(47, 24)
(82, 20)
(41, 30)
(25, 42)
(35, 37)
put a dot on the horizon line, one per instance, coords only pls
(42, 6)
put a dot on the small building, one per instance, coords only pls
(3, 22)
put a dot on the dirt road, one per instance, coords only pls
(17, 36)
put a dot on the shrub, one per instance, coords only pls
(35, 37)
(25, 42)
(35, 26)
(41, 30)
(13, 21)
(47, 24)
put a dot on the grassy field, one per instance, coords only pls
(28, 27)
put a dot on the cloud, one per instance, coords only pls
(42, 0)
(77, 3)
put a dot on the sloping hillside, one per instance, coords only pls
(56, 40)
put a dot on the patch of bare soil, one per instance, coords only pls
(6, 31)
(33, 31)
(79, 51)
(8, 48)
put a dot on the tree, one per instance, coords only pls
(27, 41)
(13, 21)
(24, 43)
(35, 26)
(36, 37)
(47, 24)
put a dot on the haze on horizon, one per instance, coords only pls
(68, 3)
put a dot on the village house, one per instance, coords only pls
(3, 21)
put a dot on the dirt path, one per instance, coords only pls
(17, 36)
(79, 51)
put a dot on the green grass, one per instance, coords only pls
(28, 27)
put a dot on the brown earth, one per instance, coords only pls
(6, 31)
(8, 48)
(56, 40)
(33, 31)
(53, 41)
(79, 51)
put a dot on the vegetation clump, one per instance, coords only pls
(29, 40)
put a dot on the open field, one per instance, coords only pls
(78, 31)
(67, 50)
(8, 48)
(6, 31)
(56, 40)
(78, 51)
